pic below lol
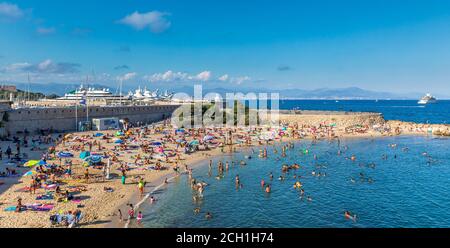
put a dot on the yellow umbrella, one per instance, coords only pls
(31, 163)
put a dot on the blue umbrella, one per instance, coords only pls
(118, 141)
(42, 162)
(94, 159)
(65, 155)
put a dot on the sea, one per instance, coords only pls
(403, 110)
(395, 181)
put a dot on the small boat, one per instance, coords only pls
(427, 99)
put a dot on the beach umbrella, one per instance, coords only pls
(156, 144)
(119, 141)
(180, 131)
(119, 133)
(30, 173)
(94, 159)
(42, 162)
(31, 163)
(98, 135)
(194, 143)
(208, 137)
(64, 155)
(85, 154)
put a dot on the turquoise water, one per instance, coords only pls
(408, 189)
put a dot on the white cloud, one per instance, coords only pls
(168, 76)
(224, 78)
(127, 76)
(240, 80)
(154, 20)
(10, 10)
(44, 67)
(45, 31)
(204, 76)
(183, 77)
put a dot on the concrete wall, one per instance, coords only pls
(341, 119)
(63, 118)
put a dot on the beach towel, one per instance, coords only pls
(10, 209)
(40, 207)
(44, 197)
(85, 154)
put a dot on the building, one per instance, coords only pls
(11, 88)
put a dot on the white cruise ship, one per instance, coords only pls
(89, 93)
(427, 99)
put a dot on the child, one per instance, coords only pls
(139, 218)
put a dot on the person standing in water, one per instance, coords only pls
(268, 188)
(139, 218)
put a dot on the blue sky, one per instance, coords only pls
(396, 46)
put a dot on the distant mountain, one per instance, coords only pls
(324, 93)
(350, 93)
(341, 93)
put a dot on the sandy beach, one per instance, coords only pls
(99, 199)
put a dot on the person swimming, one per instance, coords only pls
(302, 192)
(349, 216)
(208, 216)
